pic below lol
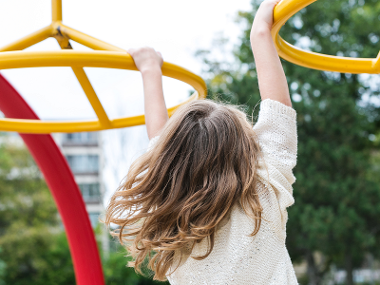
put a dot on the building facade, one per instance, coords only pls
(84, 154)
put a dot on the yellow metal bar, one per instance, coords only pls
(282, 13)
(106, 59)
(45, 127)
(91, 96)
(376, 62)
(325, 62)
(86, 85)
(29, 40)
(87, 40)
(56, 10)
(110, 57)
(63, 42)
(77, 60)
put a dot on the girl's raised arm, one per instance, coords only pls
(276, 128)
(149, 62)
(271, 76)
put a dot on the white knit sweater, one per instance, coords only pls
(263, 259)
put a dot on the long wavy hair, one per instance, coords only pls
(204, 161)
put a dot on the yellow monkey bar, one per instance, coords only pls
(282, 13)
(108, 56)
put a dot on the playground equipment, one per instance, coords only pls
(282, 13)
(46, 153)
(87, 266)
(62, 185)
(108, 56)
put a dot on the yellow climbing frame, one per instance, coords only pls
(282, 13)
(106, 55)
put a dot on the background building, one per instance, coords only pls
(84, 154)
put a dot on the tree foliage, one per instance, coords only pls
(2, 270)
(30, 234)
(337, 192)
(33, 244)
(117, 273)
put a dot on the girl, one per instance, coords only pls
(207, 203)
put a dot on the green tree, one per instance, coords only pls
(337, 200)
(2, 270)
(116, 271)
(33, 244)
(30, 233)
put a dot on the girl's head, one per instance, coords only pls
(179, 191)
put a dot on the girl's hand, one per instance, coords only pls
(264, 16)
(146, 58)
(149, 62)
(268, 64)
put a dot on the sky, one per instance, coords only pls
(175, 28)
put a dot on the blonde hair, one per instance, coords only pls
(178, 192)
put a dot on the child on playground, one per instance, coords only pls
(207, 203)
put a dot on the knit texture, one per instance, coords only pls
(262, 259)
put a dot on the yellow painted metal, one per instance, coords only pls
(45, 127)
(29, 40)
(80, 59)
(109, 57)
(56, 7)
(282, 13)
(87, 40)
(92, 97)
(85, 83)
(104, 59)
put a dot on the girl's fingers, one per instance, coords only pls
(131, 51)
(160, 55)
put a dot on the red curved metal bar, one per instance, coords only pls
(84, 251)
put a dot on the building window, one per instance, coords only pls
(90, 192)
(90, 138)
(94, 219)
(83, 164)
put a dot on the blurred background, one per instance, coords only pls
(334, 225)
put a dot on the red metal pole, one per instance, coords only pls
(84, 251)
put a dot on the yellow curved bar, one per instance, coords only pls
(282, 13)
(45, 127)
(105, 59)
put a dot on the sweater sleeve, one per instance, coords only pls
(276, 130)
